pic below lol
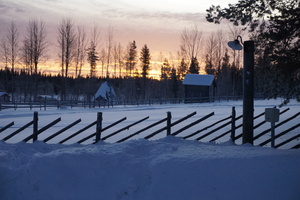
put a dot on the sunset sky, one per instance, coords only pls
(157, 23)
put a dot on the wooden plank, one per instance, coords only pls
(193, 124)
(279, 135)
(172, 124)
(43, 129)
(18, 131)
(62, 130)
(124, 128)
(259, 124)
(205, 128)
(104, 129)
(287, 141)
(7, 126)
(78, 132)
(276, 126)
(214, 130)
(142, 130)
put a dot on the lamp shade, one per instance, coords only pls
(235, 45)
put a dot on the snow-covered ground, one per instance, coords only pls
(165, 168)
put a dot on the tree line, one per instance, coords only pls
(276, 62)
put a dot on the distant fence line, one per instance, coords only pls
(45, 103)
(166, 125)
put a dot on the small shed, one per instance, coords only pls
(4, 96)
(198, 88)
(106, 92)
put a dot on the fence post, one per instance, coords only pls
(35, 125)
(98, 126)
(169, 116)
(233, 114)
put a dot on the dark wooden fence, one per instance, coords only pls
(220, 130)
(44, 104)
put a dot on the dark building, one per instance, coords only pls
(4, 97)
(198, 88)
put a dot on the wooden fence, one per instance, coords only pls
(45, 104)
(231, 127)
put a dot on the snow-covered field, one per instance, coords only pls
(165, 168)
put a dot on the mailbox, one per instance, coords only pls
(272, 115)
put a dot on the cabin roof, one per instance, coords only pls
(198, 79)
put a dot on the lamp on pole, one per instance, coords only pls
(248, 86)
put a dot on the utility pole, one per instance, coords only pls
(248, 92)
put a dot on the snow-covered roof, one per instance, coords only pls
(3, 93)
(198, 79)
(105, 91)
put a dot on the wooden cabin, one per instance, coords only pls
(198, 88)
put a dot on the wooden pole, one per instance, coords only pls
(98, 126)
(233, 115)
(248, 92)
(35, 126)
(169, 116)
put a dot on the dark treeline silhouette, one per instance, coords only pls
(129, 90)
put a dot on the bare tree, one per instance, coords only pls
(102, 59)
(116, 58)
(109, 47)
(4, 52)
(13, 44)
(80, 50)
(67, 46)
(210, 54)
(121, 55)
(34, 49)
(10, 49)
(191, 41)
(66, 41)
(220, 49)
(34, 44)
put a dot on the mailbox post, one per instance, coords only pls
(272, 115)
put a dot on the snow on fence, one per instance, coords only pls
(212, 130)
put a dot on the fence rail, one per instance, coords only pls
(44, 104)
(215, 130)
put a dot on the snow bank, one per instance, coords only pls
(169, 168)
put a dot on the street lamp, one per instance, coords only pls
(248, 86)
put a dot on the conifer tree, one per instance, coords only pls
(145, 59)
(92, 58)
(194, 67)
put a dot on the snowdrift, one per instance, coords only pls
(165, 169)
